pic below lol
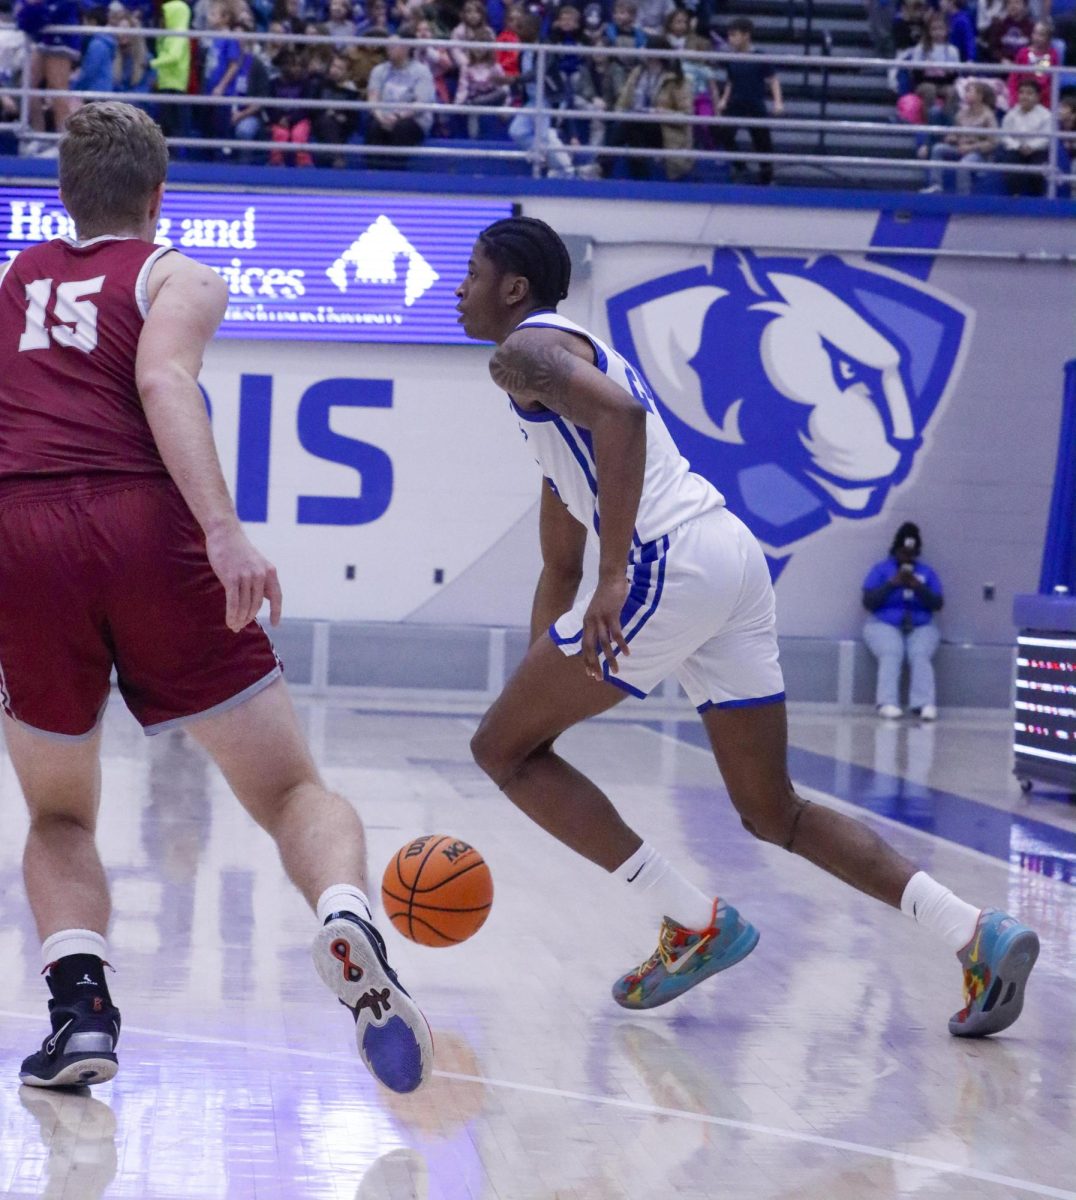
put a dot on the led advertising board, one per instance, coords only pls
(1045, 722)
(305, 267)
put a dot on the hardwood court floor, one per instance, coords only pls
(819, 1069)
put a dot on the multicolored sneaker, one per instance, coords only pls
(685, 957)
(996, 962)
(393, 1038)
(82, 1046)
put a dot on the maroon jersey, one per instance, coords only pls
(70, 319)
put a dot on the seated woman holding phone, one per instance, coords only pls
(902, 594)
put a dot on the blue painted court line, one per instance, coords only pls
(1018, 840)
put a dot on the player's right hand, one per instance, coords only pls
(247, 576)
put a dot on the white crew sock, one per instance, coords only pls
(933, 906)
(342, 897)
(72, 941)
(666, 893)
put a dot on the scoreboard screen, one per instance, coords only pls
(1045, 722)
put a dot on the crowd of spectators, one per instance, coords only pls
(613, 98)
(611, 95)
(994, 117)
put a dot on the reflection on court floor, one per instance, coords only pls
(819, 1069)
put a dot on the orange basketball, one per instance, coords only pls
(437, 890)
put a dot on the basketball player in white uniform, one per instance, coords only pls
(683, 588)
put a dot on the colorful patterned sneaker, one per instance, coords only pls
(996, 962)
(685, 957)
(393, 1038)
(82, 1046)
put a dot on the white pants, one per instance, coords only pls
(701, 608)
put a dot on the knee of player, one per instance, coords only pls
(492, 752)
(53, 822)
(772, 820)
(501, 756)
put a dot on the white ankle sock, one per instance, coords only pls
(72, 941)
(933, 906)
(342, 897)
(666, 893)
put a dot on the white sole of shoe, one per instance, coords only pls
(84, 1072)
(392, 1035)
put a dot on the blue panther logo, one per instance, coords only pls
(800, 387)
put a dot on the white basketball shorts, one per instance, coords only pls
(701, 608)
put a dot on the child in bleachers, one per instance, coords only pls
(291, 124)
(406, 14)
(363, 59)
(701, 75)
(986, 13)
(652, 14)
(376, 17)
(508, 60)
(655, 85)
(335, 125)
(623, 31)
(1039, 52)
(933, 60)
(290, 15)
(580, 90)
(593, 33)
(474, 26)
(341, 22)
(442, 67)
(98, 55)
(1009, 34)
(219, 69)
(481, 82)
(1028, 117)
(976, 112)
(747, 82)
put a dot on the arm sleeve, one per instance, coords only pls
(876, 586)
(929, 593)
(874, 598)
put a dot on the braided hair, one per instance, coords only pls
(533, 249)
(907, 530)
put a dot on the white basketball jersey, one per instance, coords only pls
(672, 492)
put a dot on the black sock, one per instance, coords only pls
(76, 976)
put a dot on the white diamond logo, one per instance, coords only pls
(372, 258)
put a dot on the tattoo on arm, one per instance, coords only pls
(539, 372)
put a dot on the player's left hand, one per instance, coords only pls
(602, 633)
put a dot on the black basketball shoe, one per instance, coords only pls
(81, 1049)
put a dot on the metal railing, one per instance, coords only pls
(542, 148)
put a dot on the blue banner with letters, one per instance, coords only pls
(306, 267)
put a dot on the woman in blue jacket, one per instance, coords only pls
(902, 594)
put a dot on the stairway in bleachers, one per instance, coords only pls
(782, 27)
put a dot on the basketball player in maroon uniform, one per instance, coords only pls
(122, 549)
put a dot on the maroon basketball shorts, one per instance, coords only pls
(96, 573)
